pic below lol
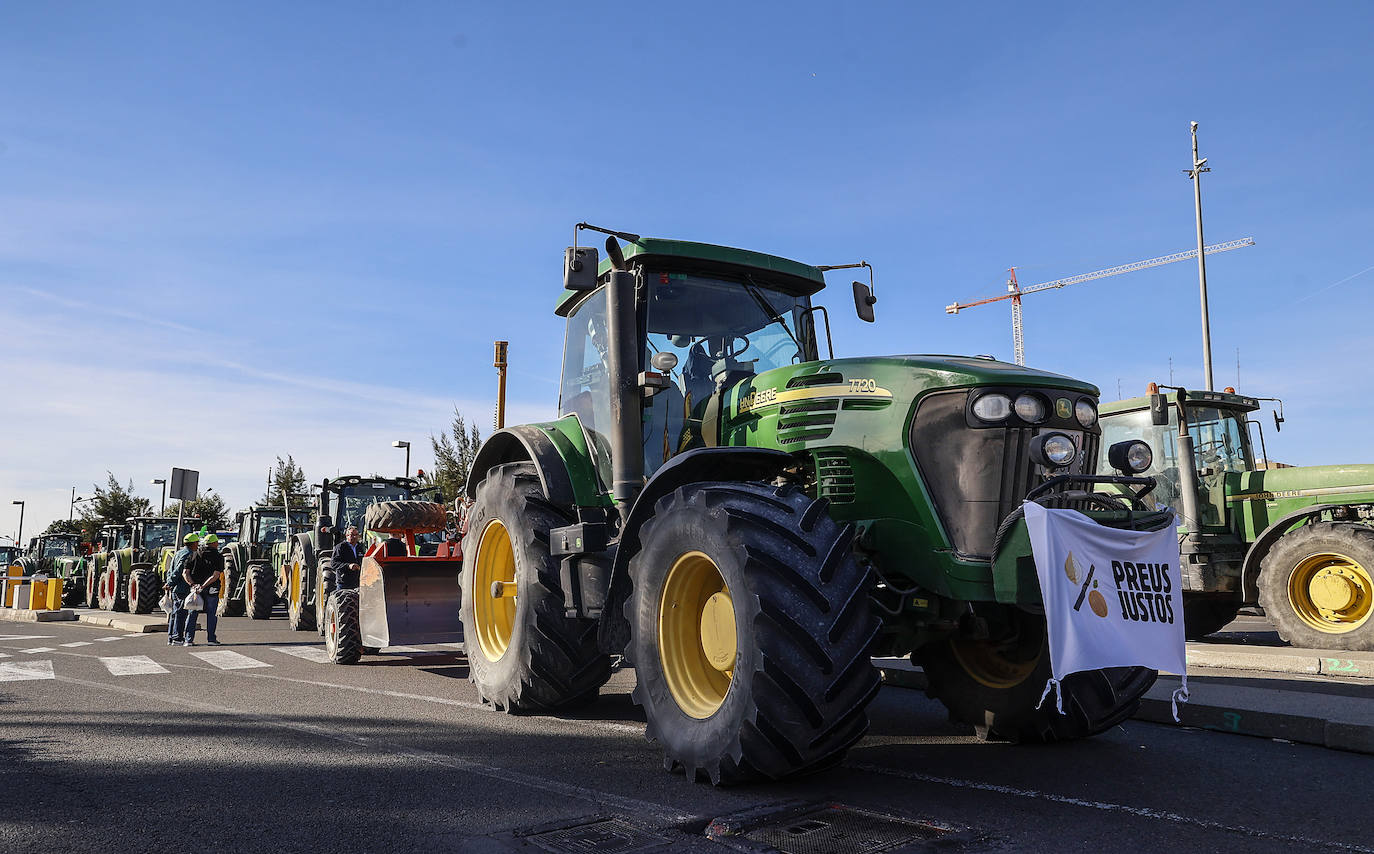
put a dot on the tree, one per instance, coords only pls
(63, 526)
(454, 452)
(111, 505)
(209, 507)
(290, 477)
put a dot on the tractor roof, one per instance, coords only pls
(791, 276)
(355, 479)
(185, 520)
(1223, 399)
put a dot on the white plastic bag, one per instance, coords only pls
(194, 602)
(168, 601)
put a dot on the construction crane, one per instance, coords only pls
(1015, 291)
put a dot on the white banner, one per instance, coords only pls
(1113, 598)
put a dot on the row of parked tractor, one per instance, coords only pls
(746, 520)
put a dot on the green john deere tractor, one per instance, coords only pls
(299, 562)
(748, 520)
(248, 585)
(1298, 541)
(58, 555)
(136, 558)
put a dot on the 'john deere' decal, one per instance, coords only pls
(855, 388)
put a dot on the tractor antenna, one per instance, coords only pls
(623, 235)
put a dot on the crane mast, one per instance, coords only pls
(1015, 291)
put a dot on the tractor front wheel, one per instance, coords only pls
(343, 639)
(92, 586)
(109, 585)
(300, 613)
(259, 591)
(1317, 586)
(997, 686)
(145, 589)
(523, 653)
(750, 631)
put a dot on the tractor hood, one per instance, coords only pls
(1325, 484)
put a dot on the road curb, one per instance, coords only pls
(124, 622)
(1310, 662)
(23, 615)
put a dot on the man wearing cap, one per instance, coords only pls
(176, 582)
(204, 573)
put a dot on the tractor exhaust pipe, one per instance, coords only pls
(1187, 471)
(627, 453)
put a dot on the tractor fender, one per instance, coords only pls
(1249, 570)
(695, 466)
(520, 444)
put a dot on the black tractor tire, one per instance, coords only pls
(1206, 615)
(144, 590)
(790, 698)
(259, 591)
(1000, 699)
(395, 517)
(92, 585)
(1321, 547)
(73, 593)
(300, 611)
(229, 605)
(535, 659)
(109, 585)
(343, 638)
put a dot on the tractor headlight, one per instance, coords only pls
(1053, 450)
(1031, 408)
(992, 407)
(1131, 456)
(1085, 412)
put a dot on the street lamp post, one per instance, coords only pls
(1200, 166)
(399, 444)
(71, 508)
(21, 523)
(161, 480)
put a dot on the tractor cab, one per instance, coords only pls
(267, 526)
(344, 500)
(8, 554)
(154, 533)
(53, 546)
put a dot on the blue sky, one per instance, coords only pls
(232, 231)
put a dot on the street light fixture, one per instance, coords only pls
(20, 538)
(71, 508)
(399, 444)
(161, 480)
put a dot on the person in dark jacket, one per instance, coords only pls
(176, 582)
(205, 573)
(347, 558)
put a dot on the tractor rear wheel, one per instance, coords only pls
(230, 605)
(997, 686)
(395, 517)
(92, 586)
(259, 591)
(109, 585)
(1316, 586)
(1205, 615)
(300, 613)
(145, 589)
(523, 653)
(343, 638)
(750, 631)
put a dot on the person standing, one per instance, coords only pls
(176, 582)
(347, 559)
(205, 573)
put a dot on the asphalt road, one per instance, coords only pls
(266, 750)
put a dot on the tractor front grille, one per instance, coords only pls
(834, 476)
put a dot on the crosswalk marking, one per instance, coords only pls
(25, 637)
(458, 645)
(131, 665)
(4, 655)
(309, 653)
(76, 643)
(139, 635)
(18, 671)
(227, 659)
(38, 649)
(401, 649)
(116, 637)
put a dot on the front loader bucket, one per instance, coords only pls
(409, 600)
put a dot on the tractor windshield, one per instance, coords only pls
(160, 533)
(8, 554)
(1220, 440)
(59, 548)
(354, 499)
(271, 525)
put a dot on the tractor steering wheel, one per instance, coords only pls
(728, 350)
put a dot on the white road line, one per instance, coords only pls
(1304, 842)
(309, 653)
(76, 643)
(39, 649)
(116, 637)
(4, 655)
(19, 671)
(227, 659)
(390, 649)
(140, 634)
(25, 637)
(131, 665)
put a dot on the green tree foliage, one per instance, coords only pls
(62, 526)
(111, 505)
(454, 451)
(286, 475)
(208, 507)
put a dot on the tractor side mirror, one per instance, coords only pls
(1159, 409)
(579, 268)
(1278, 421)
(863, 301)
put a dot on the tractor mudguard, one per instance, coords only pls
(409, 600)
(701, 464)
(1249, 570)
(517, 444)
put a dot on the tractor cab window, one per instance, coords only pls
(1163, 441)
(585, 389)
(1220, 441)
(351, 503)
(722, 332)
(159, 534)
(121, 539)
(271, 527)
(59, 548)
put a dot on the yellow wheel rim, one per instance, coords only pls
(297, 605)
(988, 665)
(493, 591)
(697, 636)
(1332, 593)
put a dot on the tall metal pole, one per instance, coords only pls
(71, 508)
(20, 538)
(500, 365)
(1200, 166)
